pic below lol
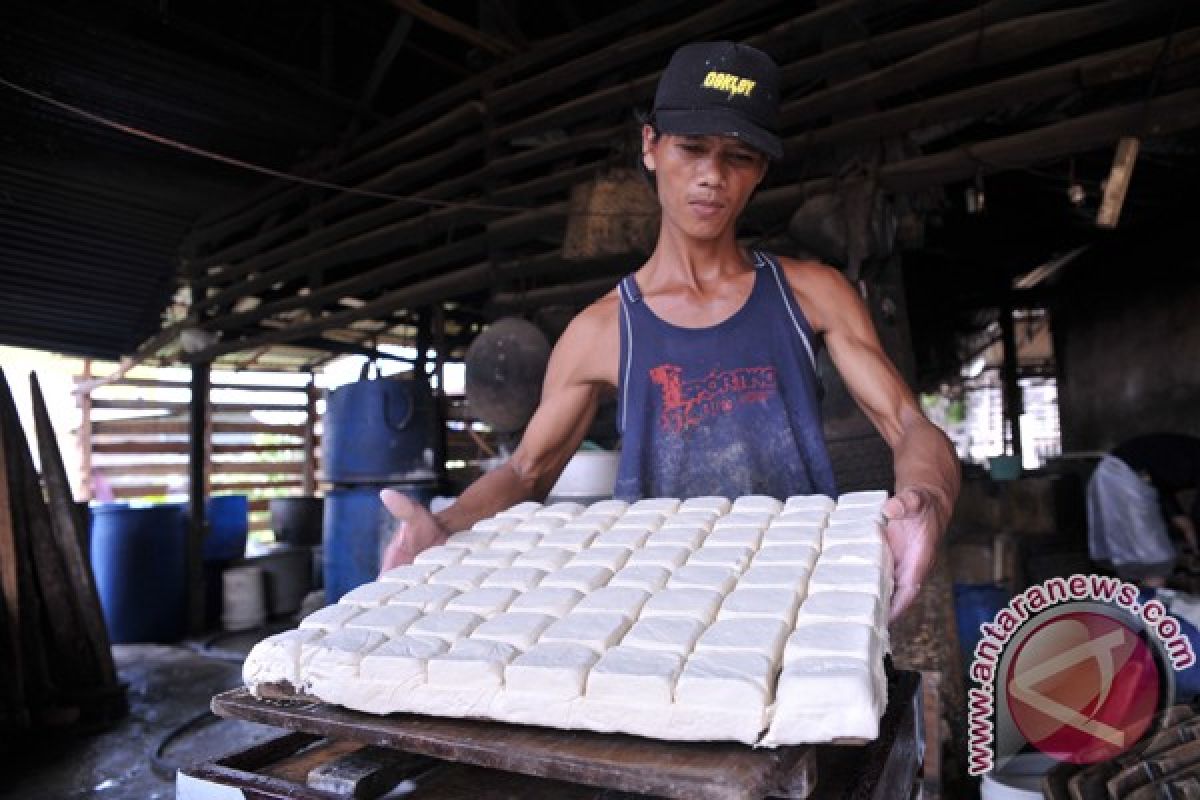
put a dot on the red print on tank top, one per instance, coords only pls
(688, 403)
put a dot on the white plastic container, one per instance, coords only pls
(590, 475)
(244, 598)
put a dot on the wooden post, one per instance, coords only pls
(197, 496)
(310, 438)
(1118, 182)
(84, 439)
(1011, 391)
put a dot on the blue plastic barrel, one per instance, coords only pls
(380, 431)
(228, 526)
(139, 557)
(357, 527)
(974, 605)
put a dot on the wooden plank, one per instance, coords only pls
(159, 447)
(218, 468)
(153, 383)
(179, 426)
(182, 406)
(156, 490)
(671, 769)
(68, 523)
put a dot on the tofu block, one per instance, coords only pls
(471, 664)
(813, 518)
(460, 576)
(445, 625)
(691, 538)
(668, 556)
(777, 604)
(726, 680)
(537, 526)
(486, 603)
(852, 534)
(277, 658)
(388, 620)
(573, 540)
(370, 594)
(821, 700)
(787, 555)
(496, 524)
(676, 635)
(426, 597)
(874, 554)
(330, 618)
(757, 502)
(809, 502)
(614, 507)
(855, 515)
(336, 655)
(554, 670)
(547, 600)
(793, 578)
(786, 534)
(744, 519)
(848, 578)
(610, 558)
(565, 510)
(663, 505)
(849, 607)
(717, 579)
(691, 519)
(841, 639)
(520, 578)
(442, 555)
(472, 539)
(598, 631)
(401, 660)
(720, 505)
(749, 634)
(734, 558)
(622, 600)
(517, 539)
(741, 536)
(644, 520)
(872, 498)
(630, 676)
(409, 574)
(544, 558)
(698, 604)
(583, 578)
(492, 559)
(628, 538)
(519, 629)
(648, 577)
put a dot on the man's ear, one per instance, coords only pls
(649, 140)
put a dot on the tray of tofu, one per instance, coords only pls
(754, 620)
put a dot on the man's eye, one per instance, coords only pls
(692, 147)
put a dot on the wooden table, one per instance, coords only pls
(544, 761)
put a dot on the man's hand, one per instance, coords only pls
(915, 521)
(417, 530)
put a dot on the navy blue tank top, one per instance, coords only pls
(727, 410)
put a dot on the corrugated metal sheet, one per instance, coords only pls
(91, 219)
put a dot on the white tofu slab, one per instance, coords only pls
(519, 629)
(553, 670)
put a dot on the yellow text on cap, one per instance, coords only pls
(723, 81)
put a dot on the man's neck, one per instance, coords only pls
(680, 259)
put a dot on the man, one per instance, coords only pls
(1132, 498)
(711, 348)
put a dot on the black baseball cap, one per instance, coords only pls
(722, 88)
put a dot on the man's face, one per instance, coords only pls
(703, 182)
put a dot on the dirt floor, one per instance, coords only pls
(167, 687)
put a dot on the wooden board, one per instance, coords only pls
(696, 771)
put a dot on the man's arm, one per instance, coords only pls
(568, 404)
(926, 466)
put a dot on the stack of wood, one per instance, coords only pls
(1164, 764)
(55, 659)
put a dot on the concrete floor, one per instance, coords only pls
(167, 686)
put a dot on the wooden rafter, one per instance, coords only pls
(455, 28)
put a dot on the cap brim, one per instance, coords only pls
(719, 122)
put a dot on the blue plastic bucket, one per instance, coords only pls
(974, 605)
(228, 526)
(139, 557)
(380, 431)
(357, 527)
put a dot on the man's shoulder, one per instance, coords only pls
(821, 290)
(600, 314)
(809, 271)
